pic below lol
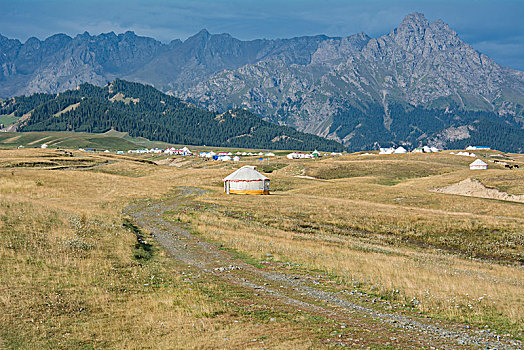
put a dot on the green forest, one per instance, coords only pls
(411, 124)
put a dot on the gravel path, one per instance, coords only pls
(304, 291)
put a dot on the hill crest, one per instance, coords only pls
(142, 111)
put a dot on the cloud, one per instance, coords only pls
(509, 52)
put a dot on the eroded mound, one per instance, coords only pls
(474, 188)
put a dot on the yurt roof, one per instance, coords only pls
(246, 173)
(478, 162)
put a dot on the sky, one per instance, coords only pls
(494, 27)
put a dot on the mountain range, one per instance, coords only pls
(419, 83)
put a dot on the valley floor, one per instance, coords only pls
(113, 251)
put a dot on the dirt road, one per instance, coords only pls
(306, 292)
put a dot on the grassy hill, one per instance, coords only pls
(110, 140)
(142, 111)
(7, 120)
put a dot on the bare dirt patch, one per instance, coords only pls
(176, 162)
(474, 188)
(67, 109)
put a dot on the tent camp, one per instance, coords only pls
(478, 165)
(246, 180)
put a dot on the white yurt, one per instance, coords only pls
(400, 150)
(246, 180)
(478, 165)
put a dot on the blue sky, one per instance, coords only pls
(494, 27)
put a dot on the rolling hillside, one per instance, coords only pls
(142, 111)
(111, 140)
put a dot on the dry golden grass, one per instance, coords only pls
(399, 241)
(441, 285)
(69, 278)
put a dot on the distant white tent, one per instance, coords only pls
(236, 159)
(246, 180)
(400, 150)
(44, 146)
(478, 165)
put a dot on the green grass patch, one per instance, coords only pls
(243, 256)
(143, 250)
(8, 119)
(269, 168)
(111, 140)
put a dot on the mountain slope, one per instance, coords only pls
(143, 111)
(61, 62)
(419, 66)
(404, 87)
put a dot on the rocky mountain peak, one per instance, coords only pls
(416, 35)
(359, 40)
(4, 39)
(411, 31)
(84, 35)
(361, 36)
(201, 35)
(129, 34)
(414, 20)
